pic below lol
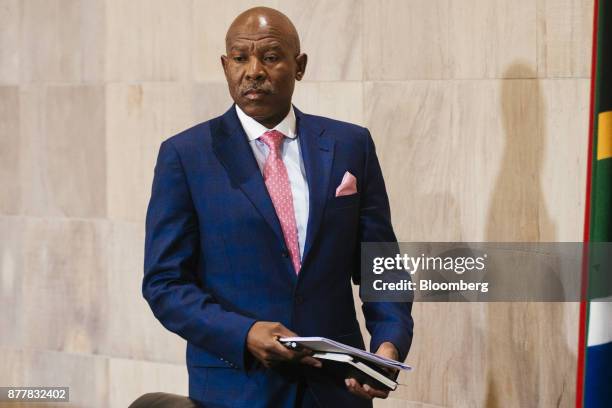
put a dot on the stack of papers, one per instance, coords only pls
(347, 361)
(322, 344)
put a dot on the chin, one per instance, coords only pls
(256, 109)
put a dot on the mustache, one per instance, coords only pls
(261, 87)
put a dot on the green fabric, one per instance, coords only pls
(600, 279)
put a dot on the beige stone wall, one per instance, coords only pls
(479, 109)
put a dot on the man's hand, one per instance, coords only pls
(262, 342)
(387, 350)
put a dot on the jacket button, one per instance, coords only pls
(299, 300)
(285, 254)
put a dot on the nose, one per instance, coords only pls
(255, 70)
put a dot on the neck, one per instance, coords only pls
(272, 121)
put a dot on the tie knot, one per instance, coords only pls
(273, 139)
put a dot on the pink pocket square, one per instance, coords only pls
(348, 185)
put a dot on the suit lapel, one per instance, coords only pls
(317, 153)
(231, 146)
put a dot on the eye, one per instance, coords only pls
(239, 58)
(270, 58)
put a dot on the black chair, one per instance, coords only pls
(163, 400)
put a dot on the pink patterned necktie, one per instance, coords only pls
(277, 182)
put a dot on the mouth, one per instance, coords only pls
(254, 94)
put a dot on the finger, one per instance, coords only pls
(374, 392)
(265, 363)
(391, 371)
(282, 331)
(311, 361)
(303, 352)
(280, 352)
(356, 388)
(296, 355)
(360, 388)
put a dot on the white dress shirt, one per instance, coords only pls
(291, 155)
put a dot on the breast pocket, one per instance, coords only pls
(343, 201)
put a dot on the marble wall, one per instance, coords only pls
(479, 110)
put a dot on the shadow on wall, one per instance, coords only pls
(528, 361)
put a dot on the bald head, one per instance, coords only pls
(263, 62)
(259, 22)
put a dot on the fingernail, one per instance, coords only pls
(347, 382)
(366, 387)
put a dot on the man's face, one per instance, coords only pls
(261, 67)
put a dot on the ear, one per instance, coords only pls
(224, 64)
(301, 61)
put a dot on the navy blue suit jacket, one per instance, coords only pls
(216, 261)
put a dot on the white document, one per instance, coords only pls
(322, 344)
(345, 358)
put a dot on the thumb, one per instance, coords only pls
(311, 361)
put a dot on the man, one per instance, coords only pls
(253, 233)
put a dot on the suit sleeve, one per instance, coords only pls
(170, 285)
(386, 321)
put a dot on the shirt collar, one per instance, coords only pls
(254, 129)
